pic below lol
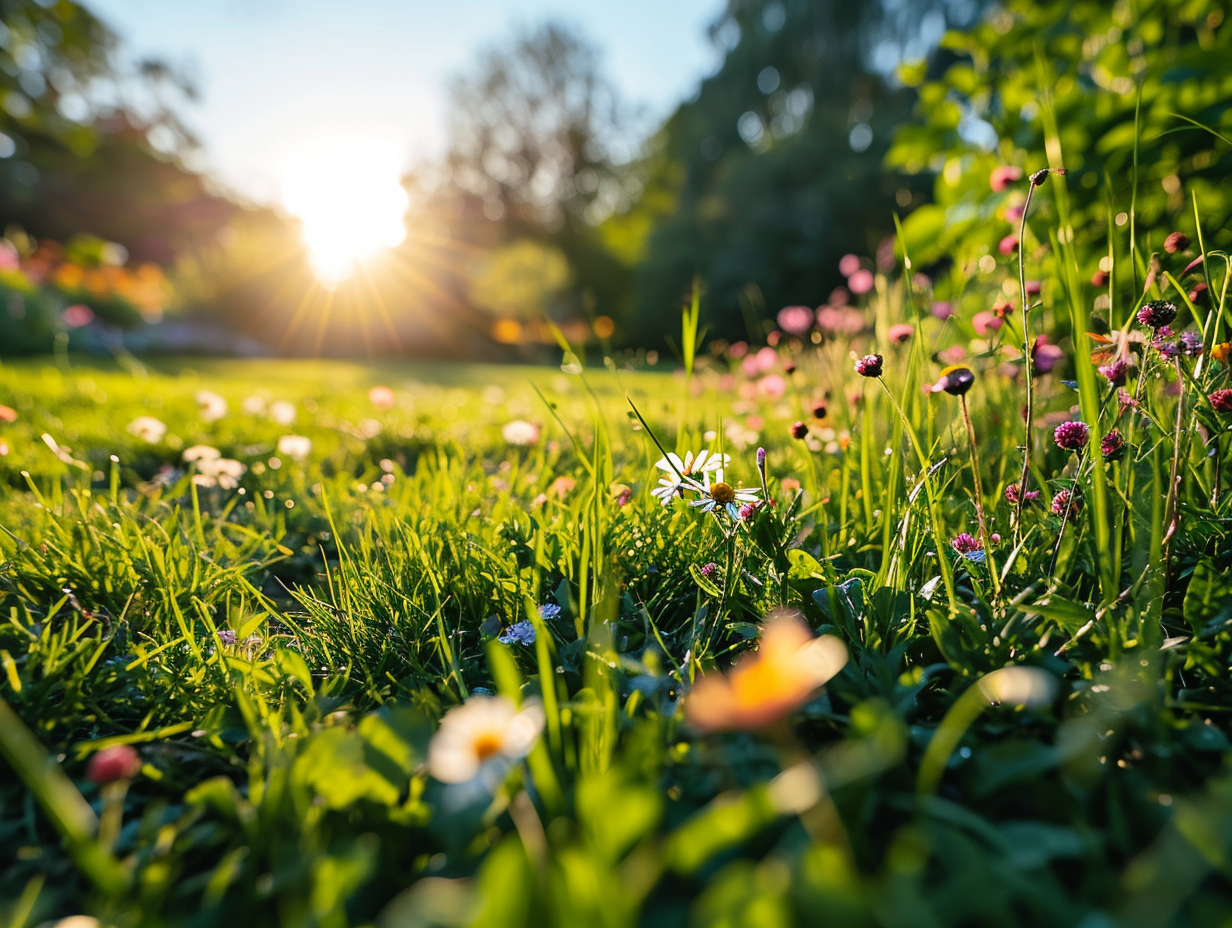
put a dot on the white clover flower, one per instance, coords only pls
(147, 428)
(213, 406)
(520, 432)
(484, 734)
(296, 447)
(199, 453)
(254, 405)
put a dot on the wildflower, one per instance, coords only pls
(1112, 446)
(227, 636)
(722, 495)
(869, 365)
(1038, 178)
(795, 320)
(521, 632)
(772, 385)
(147, 428)
(1044, 356)
(1034, 288)
(942, 310)
(561, 486)
(985, 323)
(622, 493)
(1064, 500)
(1198, 294)
(282, 412)
(198, 453)
(118, 762)
(1002, 309)
(680, 473)
(1177, 241)
(955, 380)
(549, 611)
(1166, 347)
(1191, 344)
(1220, 352)
(901, 332)
(861, 281)
(1011, 494)
(1221, 400)
(1071, 436)
(520, 432)
(799, 430)
(965, 543)
(9, 414)
(709, 570)
(1125, 401)
(77, 315)
(213, 406)
(1156, 314)
(1099, 278)
(296, 447)
(1115, 371)
(820, 409)
(763, 687)
(1008, 245)
(381, 397)
(484, 734)
(217, 471)
(848, 265)
(1002, 176)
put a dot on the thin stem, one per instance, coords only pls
(1027, 366)
(1171, 516)
(979, 498)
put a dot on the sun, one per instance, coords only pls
(345, 190)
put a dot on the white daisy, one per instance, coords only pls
(680, 475)
(719, 494)
(486, 733)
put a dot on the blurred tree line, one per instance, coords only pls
(557, 200)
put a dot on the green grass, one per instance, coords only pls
(280, 651)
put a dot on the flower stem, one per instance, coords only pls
(1027, 362)
(979, 498)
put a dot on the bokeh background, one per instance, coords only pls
(379, 178)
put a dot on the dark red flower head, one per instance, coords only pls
(964, 543)
(1011, 494)
(1113, 446)
(799, 430)
(955, 380)
(1099, 278)
(1221, 400)
(118, 762)
(1156, 314)
(1071, 436)
(1064, 500)
(1177, 241)
(869, 366)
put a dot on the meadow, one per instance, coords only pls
(326, 643)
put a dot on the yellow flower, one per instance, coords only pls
(766, 686)
(1221, 351)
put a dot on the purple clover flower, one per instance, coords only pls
(1071, 436)
(1156, 314)
(869, 366)
(1113, 446)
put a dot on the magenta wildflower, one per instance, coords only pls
(1044, 356)
(1003, 175)
(1011, 494)
(901, 332)
(709, 570)
(1113, 446)
(869, 365)
(1191, 344)
(799, 430)
(1071, 436)
(118, 762)
(1156, 314)
(1116, 371)
(1125, 401)
(1177, 241)
(747, 510)
(965, 543)
(1221, 400)
(795, 319)
(1008, 245)
(1062, 501)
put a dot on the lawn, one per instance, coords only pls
(317, 643)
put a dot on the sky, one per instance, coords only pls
(281, 80)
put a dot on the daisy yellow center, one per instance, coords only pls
(722, 493)
(487, 744)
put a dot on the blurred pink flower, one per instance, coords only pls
(77, 315)
(727, 383)
(1013, 212)
(795, 319)
(1008, 245)
(755, 423)
(848, 265)
(767, 359)
(381, 397)
(986, 323)
(1033, 288)
(861, 281)
(839, 296)
(953, 355)
(1044, 356)
(901, 332)
(840, 320)
(749, 366)
(772, 385)
(737, 350)
(942, 310)
(1003, 175)
(9, 259)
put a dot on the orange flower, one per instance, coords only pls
(1221, 351)
(764, 687)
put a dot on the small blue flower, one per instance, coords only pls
(975, 557)
(521, 632)
(549, 611)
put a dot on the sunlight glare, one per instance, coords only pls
(346, 193)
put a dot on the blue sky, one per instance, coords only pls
(276, 74)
